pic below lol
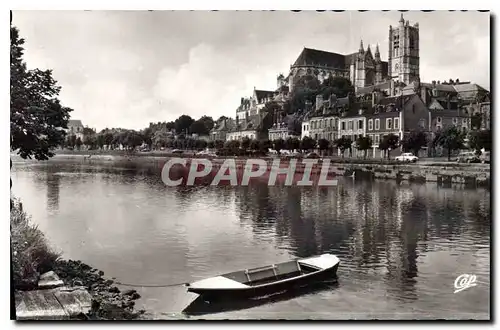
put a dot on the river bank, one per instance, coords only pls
(35, 262)
(443, 173)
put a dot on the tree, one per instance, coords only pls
(388, 143)
(245, 143)
(476, 120)
(451, 139)
(339, 86)
(208, 122)
(343, 143)
(268, 114)
(71, 142)
(78, 143)
(160, 138)
(278, 145)
(307, 143)
(37, 118)
(414, 142)
(255, 145)
(219, 144)
(364, 143)
(323, 145)
(89, 141)
(147, 135)
(480, 140)
(182, 124)
(100, 141)
(289, 144)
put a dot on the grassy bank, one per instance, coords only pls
(33, 256)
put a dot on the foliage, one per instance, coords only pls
(202, 126)
(343, 143)
(364, 143)
(414, 142)
(307, 143)
(37, 118)
(278, 145)
(476, 120)
(323, 145)
(255, 145)
(451, 139)
(245, 143)
(269, 111)
(388, 143)
(219, 144)
(183, 123)
(31, 254)
(479, 140)
(292, 143)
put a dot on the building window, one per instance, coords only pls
(377, 138)
(396, 123)
(331, 122)
(377, 124)
(360, 124)
(350, 125)
(439, 120)
(370, 125)
(343, 125)
(388, 123)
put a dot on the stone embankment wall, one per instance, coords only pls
(441, 172)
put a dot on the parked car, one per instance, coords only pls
(485, 157)
(407, 157)
(312, 155)
(467, 157)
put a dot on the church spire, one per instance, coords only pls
(402, 20)
(361, 49)
(377, 52)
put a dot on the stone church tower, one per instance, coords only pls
(404, 58)
(367, 68)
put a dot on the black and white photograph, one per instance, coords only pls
(250, 165)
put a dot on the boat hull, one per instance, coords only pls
(267, 289)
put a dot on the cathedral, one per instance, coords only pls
(364, 69)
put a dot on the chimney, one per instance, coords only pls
(242, 100)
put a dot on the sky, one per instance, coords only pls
(129, 68)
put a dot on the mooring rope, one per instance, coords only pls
(151, 285)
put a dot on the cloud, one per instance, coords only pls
(129, 68)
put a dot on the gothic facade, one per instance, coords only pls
(364, 68)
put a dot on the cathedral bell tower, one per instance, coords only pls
(404, 58)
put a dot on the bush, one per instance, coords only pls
(31, 254)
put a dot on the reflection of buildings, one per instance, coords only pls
(53, 186)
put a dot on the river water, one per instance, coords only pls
(401, 246)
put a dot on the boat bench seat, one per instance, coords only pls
(288, 267)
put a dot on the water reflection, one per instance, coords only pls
(200, 307)
(401, 246)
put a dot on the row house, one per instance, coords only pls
(322, 122)
(221, 129)
(285, 126)
(252, 105)
(75, 127)
(352, 124)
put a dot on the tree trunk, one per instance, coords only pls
(449, 154)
